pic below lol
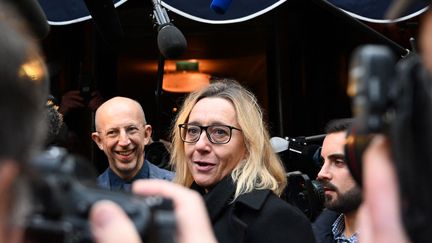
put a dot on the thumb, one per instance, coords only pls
(110, 224)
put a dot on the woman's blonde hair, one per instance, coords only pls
(261, 168)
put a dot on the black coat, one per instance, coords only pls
(259, 216)
(322, 227)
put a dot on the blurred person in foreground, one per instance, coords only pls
(221, 149)
(396, 172)
(23, 92)
(23, 95)
(342, 194)
(122, 133)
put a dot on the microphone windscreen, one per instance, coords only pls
(34, 16)
(279, 144)
(171, 41)
(220, 6)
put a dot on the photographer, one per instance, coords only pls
(78, 110)
(23, 91)
(397, 164)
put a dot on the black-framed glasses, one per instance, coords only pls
(217, 134)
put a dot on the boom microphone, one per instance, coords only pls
(281, 144)
(171, 41)
(35, 17)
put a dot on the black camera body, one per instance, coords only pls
(304, 193)
(394, 98)
(372, 86)
(390, 97)
(63, 190)
(301, 159)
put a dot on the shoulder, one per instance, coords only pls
(322, 227)
(159, 173)
(284, 210)
(282, 221)
(103, 179)
(268, 201)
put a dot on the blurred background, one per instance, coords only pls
(294, 55)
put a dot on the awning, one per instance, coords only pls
(63, 12)
(375, 10)
(238, 11)
(242, 10)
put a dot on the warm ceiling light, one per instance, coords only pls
(186, 78)
(34, 70)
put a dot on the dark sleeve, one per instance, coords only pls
(279, 222)
(322, 227)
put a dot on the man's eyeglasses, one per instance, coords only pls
(217, 134)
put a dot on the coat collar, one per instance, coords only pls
(222, 195)
(254, 200)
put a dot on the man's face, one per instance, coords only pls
(341, 191)
(122, 135)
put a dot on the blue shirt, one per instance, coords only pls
(117, 183)
(338, 228)
(109, 180)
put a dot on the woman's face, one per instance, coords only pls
(209, 163)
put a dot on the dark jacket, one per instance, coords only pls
(259, 216)
(322, 227)
(152, 172)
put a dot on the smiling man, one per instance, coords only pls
(122, 133)
(342, 194)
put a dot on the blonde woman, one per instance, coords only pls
(221, 149)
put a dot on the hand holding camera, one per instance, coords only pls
(63, 192)
(394, 98)
(77, 99)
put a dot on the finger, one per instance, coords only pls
(159, 187)
(95, 93)
(364, 224)
(381, 193)
(72, 93)
(76, 97)
(75, 103)
(110, 224)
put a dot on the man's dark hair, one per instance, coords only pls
(22, 90)
(338, 125)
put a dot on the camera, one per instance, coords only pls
(62, 191)
(301, 159)
(305, 194)
(85, 88)
(394, 97)
(372, 86)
